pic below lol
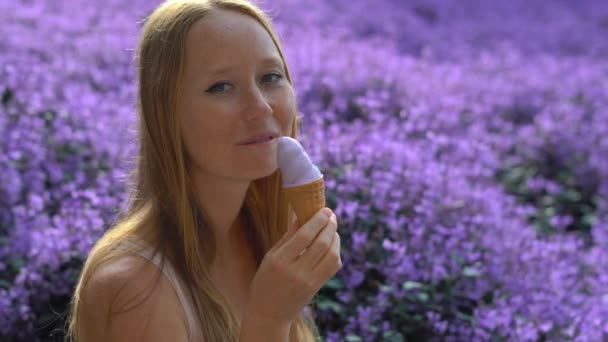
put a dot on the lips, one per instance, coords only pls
(260, 143)
(259, 138)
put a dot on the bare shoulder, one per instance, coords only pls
(126, 300)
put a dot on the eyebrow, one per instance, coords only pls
(265, 61)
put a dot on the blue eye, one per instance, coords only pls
(279, 76)
(217, 85)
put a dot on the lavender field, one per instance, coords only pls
(464, 145)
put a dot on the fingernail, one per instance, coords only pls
(327, 212)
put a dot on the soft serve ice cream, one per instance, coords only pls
(303, 183)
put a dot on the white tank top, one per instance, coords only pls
(145, 250)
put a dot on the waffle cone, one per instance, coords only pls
(306, 199)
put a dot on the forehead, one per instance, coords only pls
(227, 35)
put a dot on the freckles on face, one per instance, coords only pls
(219, 110)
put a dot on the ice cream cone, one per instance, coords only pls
(306, 199)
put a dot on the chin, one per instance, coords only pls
(265, 173)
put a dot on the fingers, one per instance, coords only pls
(321, 245)
(305, 235)
(331, 262)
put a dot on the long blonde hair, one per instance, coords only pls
(162, 195)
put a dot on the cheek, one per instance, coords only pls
(197, 139)
(288, 112)
(189, 142)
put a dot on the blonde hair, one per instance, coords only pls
(162, 195)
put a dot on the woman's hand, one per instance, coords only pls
(286, 281)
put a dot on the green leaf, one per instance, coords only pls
(334, 283)
(392, 336)
(573, 195)
(48, 115)
(325, 303)
(465, 317)
(400, 309)
(4, 284)
(548, 201)
(423, 297)
(353, 338)
(386, 288)
(589, 219)
(472, 272)
(409, 285)
(457, 258)
(16, 264)
(73, 276)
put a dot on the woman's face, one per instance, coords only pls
(234, 86)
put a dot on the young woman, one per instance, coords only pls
(208, 248)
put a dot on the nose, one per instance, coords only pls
(257, 105)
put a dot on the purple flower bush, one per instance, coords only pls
(451, 246)
(450, 30)
(465, 152)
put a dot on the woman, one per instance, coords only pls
(208, 249)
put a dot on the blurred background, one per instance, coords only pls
(468, 163)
